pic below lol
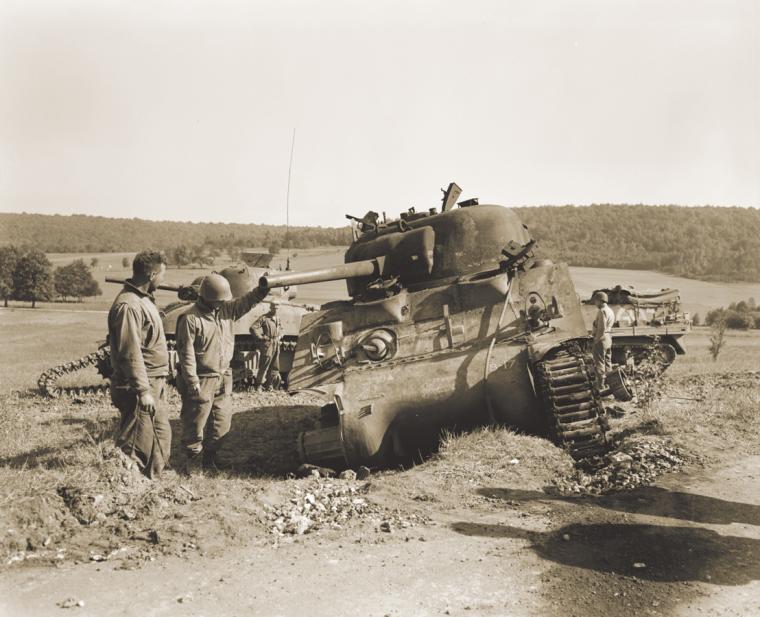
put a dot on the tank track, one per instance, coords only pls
(577, 421)
(48, 381)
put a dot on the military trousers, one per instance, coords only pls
(269, 352)
(146, 437)
(602, 355)
(206, 417)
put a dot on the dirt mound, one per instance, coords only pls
(91, 514)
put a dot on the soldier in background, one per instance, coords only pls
(267, 331)
(140, 364)
(602, 332)
(205, 346)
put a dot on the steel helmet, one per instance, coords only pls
(600, 295)
(215, 288)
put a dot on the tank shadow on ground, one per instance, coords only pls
(261, 441)
(668, 554)
(649, 500)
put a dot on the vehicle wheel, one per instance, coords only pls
(666, 354)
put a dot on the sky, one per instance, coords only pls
(186, 109)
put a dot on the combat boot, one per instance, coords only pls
(210, 460)
(193, 464)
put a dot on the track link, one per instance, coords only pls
(577, 421)
(48, 381)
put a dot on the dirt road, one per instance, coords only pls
(686, 546)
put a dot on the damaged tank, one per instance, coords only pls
(246, 357)
(451, 324)
(648, 324)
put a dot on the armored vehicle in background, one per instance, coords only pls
(242, 279)
(451, 324)
(245, 361)
(646, 324)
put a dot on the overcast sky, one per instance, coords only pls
(185, 110)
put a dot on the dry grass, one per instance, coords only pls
(499, 454)
(740, 353)
(37, 340)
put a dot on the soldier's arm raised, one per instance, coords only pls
(235, 309)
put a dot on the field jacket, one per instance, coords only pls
(603, 323)
(266, 329)
(205, 341)
(136, 337)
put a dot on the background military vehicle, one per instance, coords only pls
(451, 324)
(243, 278)
(245, 361)
(646, 323)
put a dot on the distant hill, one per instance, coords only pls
(706, 243)
(80, 233)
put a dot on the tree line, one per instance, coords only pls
(707, 243)
(97, 234)
(27, 274)
(742, 315)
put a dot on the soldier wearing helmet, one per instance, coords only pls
(205, 345)
(602, 332)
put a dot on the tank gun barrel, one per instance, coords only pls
(174, 288)
(368, 267)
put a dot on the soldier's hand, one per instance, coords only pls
(195, 390)
(147, 402)
(188, 293)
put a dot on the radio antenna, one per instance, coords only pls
(287, 202)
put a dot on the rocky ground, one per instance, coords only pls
(495, 523)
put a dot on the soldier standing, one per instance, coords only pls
(602, 331)
(205, 345)
(267, 331)
(140, 364)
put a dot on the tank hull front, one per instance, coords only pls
(464, 357)
(398, 411)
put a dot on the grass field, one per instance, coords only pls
(741, 352)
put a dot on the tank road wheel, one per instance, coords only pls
(654, 357)
(577, 421)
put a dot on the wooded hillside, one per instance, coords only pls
(706, 243)
(97, 234)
